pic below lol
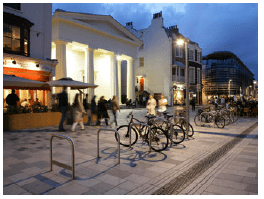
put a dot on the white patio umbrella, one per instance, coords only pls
(11, 81)
(69, 82)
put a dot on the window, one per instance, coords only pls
(141, 61)
(179, 51)
(192, 75)
(16, 31)
(173, 71)
(199, 57)
(16, 6)
(198, 76)
(191, 55)
(182, 72)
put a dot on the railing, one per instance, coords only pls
(61, 164)
(118, 143)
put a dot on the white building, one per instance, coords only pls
(160, 67)
(27, 46)
(90, 48)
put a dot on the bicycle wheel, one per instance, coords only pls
(220, 122)
(124, 135)
(178, 134)
(190, 130)
(197, 120)
(159, 139)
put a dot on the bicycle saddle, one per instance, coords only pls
(150, 116)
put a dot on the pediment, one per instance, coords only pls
(105, 26)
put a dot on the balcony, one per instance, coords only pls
(176, 78)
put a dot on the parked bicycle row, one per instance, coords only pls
(156, 131)
(217, 116)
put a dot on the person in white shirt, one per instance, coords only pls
(151, 104)
(25, 103)
(162, 105)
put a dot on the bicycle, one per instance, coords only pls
(182, 122)
(208, 117)
(175, 132)
(159, 138)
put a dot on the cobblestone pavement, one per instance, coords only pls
(26, 162)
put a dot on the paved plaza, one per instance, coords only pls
(26, 162)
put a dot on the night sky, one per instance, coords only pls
(215, 27)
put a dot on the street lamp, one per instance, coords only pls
(229, 87)
(185, 42)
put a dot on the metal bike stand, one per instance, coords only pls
(118, 143)
(143, 124)
(61, 164)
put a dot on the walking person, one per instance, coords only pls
(63, 105)
(151, 104)
(93, 111)
(102, 111)
(162, 105)
(86, 107)
(78, 111)
(115, 107)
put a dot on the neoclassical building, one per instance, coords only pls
(90, 48)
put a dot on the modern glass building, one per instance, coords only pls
(225, 74)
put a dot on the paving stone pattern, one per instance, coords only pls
(26, 162)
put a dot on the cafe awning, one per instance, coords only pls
(14, 82)
(69, 82)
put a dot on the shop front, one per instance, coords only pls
(32, 99)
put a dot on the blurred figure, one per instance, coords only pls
(151, 104)
(25, 103)
(102, 111)
(162, 105)
(93, 111)
(12, 98)
(115, 107)
(78, 111)
(63, 105)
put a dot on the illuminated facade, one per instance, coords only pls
(27, 47)
(91, 48)
(160, 67)
(225, 74)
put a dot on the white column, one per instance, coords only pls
(130, 79)
(119, 79)
(89, 64)
(114, 83)
(61, 68)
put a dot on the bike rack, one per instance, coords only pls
(118, 143)
(61, 164)
(143, 124)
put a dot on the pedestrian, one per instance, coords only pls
(63, 106)
(162, 105)
(151, 104)
(78, 111)
(193, 104)
(93, 111)
(86, 107)
(215, 102)
(102, 111)
(115, 107)
(222, 101)
(25, 103)
(12, 99)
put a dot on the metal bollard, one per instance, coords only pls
(61, 164)
(118, 143)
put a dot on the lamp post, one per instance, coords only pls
(229, 86)
(185, 42)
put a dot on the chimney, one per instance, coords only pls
(129, 24)
(157, 15)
